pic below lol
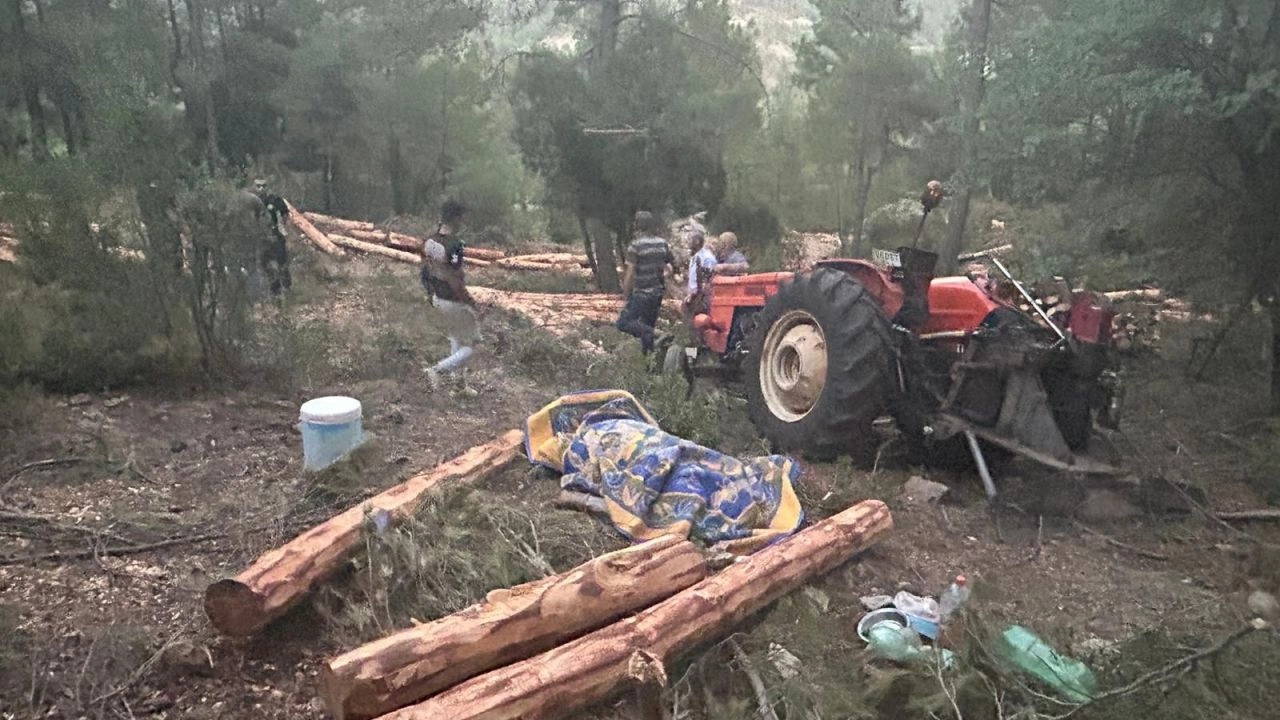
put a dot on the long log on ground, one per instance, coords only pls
(309, 231)
(369, 232)
(405, 243)
(393, 239)
(636, 650)
(283, 577)
(518, 264)
(340, 223)
(556, 258)
(375, 249)
(1148, 294)
(509, 625)
(481, 253)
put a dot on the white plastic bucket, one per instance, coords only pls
(331, 427)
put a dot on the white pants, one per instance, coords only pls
(459, 323)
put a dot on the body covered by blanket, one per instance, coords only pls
(654, 483)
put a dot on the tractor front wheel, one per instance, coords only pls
(819, 367)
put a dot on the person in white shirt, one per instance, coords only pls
(701, 266)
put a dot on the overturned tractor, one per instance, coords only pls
(960, 368)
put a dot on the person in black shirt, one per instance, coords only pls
(275, 256)
(443, 278)
(644, 281)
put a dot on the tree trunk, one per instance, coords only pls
(861, 195)
(606, 36)
(395, 171)
(509, 625)
(328, 180)
(68, 129)
(1275, 356)
(444, 160)
(283, 577)
(637, 650)
(203, 75)
(586, 246)
(39, 135)
(606, 263)
(970, 101)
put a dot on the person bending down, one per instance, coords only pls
(649, 259)
(445, 282)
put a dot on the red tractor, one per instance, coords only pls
(823, 353)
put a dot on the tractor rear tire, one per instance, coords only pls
(819, 368)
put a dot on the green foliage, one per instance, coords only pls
(1155, 120)
(458, 547)
(650, 127)
(753, 222)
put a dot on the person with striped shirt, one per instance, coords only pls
(644, 280)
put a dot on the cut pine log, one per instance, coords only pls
(558, 258)
(1147, 294)
(481, 253)
(636, 650)
(374, 248)
(405, 243)
(310, 232)
(340, 224)
(509, 625)
(400, 241)
(282, 577)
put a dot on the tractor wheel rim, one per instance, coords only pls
(793, 366)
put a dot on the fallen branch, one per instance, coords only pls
(637, 649)
(112, 551)
(1264, 514)
(47, 462)
(281, 578)
(1167, 670)
(757, 685)
(309, 231)
(509, 625)
(1122, 545)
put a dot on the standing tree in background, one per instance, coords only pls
(974, 64)
(867, 85)
(646, 122)
(1160, 120)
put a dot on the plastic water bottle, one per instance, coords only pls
(955, 596)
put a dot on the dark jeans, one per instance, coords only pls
(275, 264)
(640, 316)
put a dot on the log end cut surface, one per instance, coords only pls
(233, 607)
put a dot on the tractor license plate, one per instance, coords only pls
(887, 258)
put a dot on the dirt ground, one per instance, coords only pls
(217, 473)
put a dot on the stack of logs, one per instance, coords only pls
(546, 648)
(331, 234)
(1136, 326)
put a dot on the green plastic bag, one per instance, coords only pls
(1025, 650)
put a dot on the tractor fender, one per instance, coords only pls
(875, 280)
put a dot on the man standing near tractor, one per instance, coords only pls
(644, 281)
